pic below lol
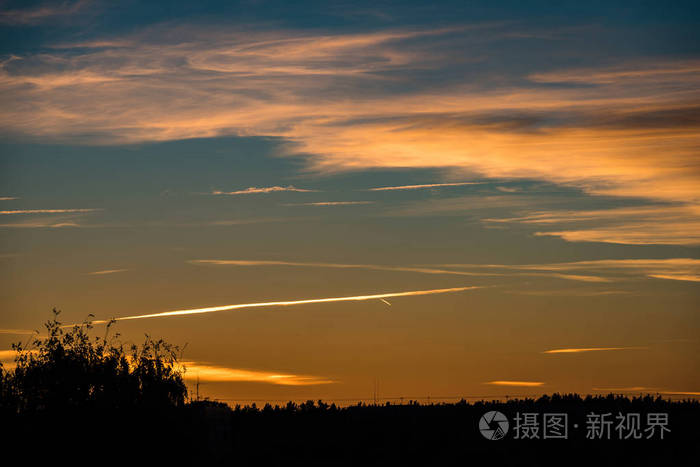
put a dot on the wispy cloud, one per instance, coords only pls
(374, 267)
(50, 219)
(506, 189)
(6, 355)
(15, 331)
(645, 225)
(259, 220)
(332, 203)
(43, 12)
(192, 311)
(106, 271)
(681, 269)
(215, 373)
(633, 73)
(45, 211)
(591, 349)
(42, 224)
(573, 277)
(461, 205)
(570, 216)
(349, 117)
(416, 269)
(677, 277)
(569, 293)
(647, 233)
(420, 187)
(516, 383)
(254, 190)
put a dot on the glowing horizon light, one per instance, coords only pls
(193, 311)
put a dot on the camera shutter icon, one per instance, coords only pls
(493, 425)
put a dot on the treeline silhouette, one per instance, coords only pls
(95, 400)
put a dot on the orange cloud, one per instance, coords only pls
(670, 268)
(677, 277)
(591, 349)
(45, 211)
(41, 224)
(671, 225)
(106, 271)
(15, 331)
(573, 277)
(419, 187)
(516, 383)
(626, 73)
(333, 203)
(215, 373)
(254, 190)
(624, 134)
(7, 357)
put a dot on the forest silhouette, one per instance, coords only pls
(73, 397)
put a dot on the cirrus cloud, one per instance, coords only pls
(348, 102)
(254, 190)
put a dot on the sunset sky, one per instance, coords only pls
(438, 199)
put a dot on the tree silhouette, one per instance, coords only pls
(68, 369)
(69, 393)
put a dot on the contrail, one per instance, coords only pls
(290, 303)
(385, 301)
